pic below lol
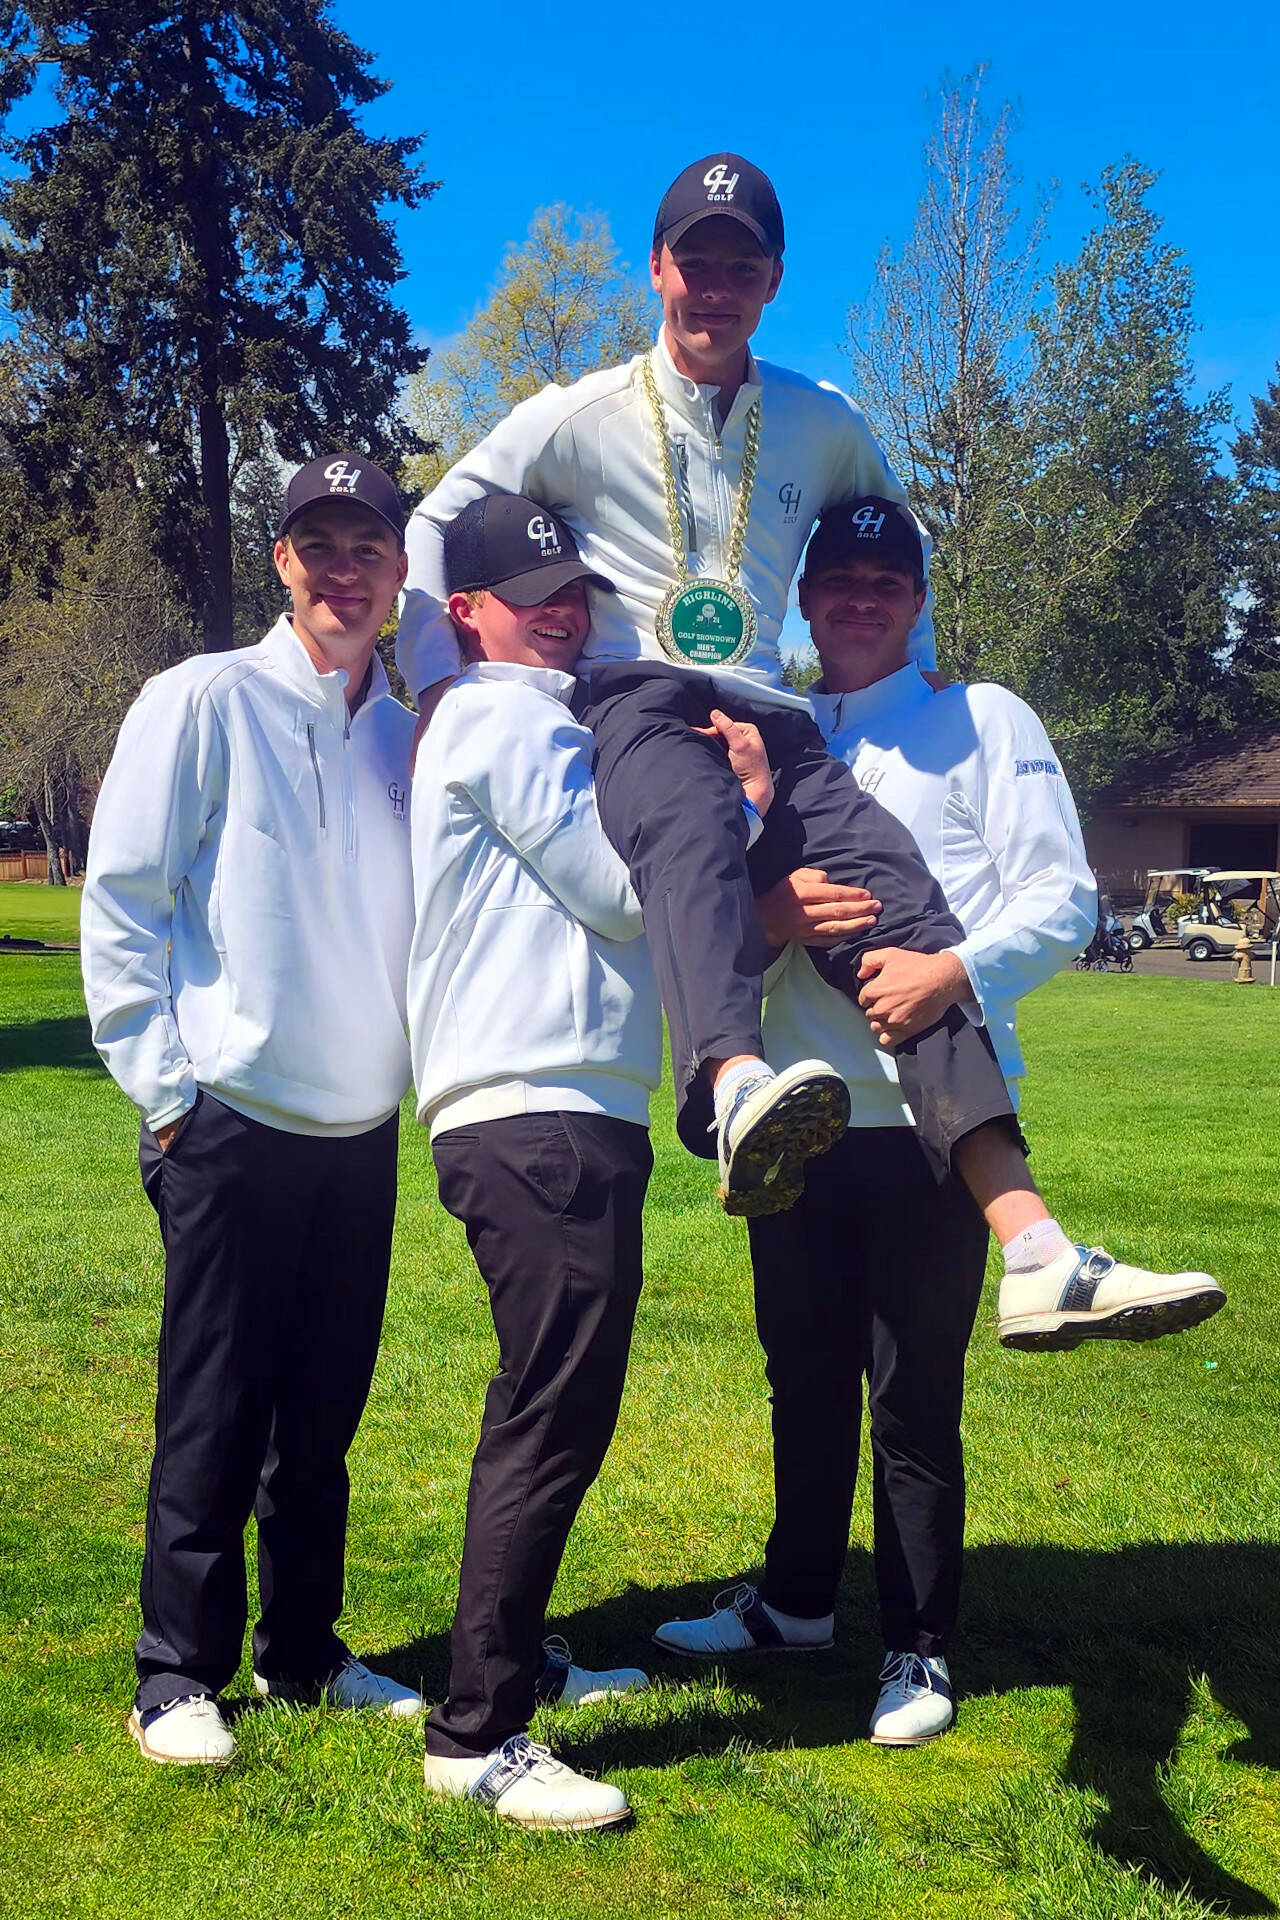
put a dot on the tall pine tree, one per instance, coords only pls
(205, 229)
(1256, 653)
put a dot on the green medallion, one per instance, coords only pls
(708, 623)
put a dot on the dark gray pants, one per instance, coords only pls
(277, 1247)
(672, 807)
(874, 1274)
(552, 1204)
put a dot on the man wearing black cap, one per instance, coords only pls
(691, 477)
(534, 1023)
(877, 1271)
(245, 931)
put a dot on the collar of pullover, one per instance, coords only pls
(696, 404)
(546, 679)
(896, 692)
(328, 690)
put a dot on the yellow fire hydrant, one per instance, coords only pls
(1244, 962)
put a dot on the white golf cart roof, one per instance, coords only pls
(1214, 875)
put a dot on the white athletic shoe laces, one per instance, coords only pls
(350, 1685)
(562, 1684)
(190, 1732)
(524, 1782)
(775, 1123)
(737, 1623)
(1086, 1294)
(916, 1702)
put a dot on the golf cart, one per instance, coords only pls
(1232, 903)
(1151, 922)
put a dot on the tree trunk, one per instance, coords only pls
(213, 247)
(218, 611)
(56, 877)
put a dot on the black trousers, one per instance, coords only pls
(552, 1205)
(875, 1273)
(671, 806)
(277, 1247)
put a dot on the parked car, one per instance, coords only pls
(1232, 902)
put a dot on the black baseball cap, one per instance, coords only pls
(722, 183)
(342, 476)
(868, 528)
(512, 544)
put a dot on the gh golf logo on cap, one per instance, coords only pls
(867, 522)
(341, 478)
(719, 182)
(545, 534)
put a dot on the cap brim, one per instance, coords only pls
(530, 589)
(676, 232)
(327, 499)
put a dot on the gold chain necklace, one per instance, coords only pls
(705, 622)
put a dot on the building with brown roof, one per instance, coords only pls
(1213, 804)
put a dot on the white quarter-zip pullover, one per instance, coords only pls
(590, 453)
(248, 902)
(530, 990)
(971, 773)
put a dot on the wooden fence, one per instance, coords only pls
(23, 866)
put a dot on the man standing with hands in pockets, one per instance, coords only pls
(247, 914)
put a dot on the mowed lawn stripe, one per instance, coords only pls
(1120, 1713)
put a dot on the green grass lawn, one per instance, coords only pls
(1119, 1727)
(32, 911)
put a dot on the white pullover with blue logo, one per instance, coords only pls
(971, 773)
(248, 903)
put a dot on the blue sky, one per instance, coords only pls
(524, 104)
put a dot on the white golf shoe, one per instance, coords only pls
(916, 1702)
(190, 1732)
(1085, 1294)
(524, 1782)
(777, 1122)
(737, 1623)
(351, 1685)
(562, 1684)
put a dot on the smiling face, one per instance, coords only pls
(343, 567)
(860, 615)
(714, 285)
(551, 634)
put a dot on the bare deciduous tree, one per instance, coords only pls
(942, 355)
(72, 661)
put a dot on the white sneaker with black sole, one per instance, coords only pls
(776, 1123)
(189, 1732)
(1085, 1294)
(916, 1702)
(737, 1623)
(524, 1782)
(351, 1685)
(562, 1684)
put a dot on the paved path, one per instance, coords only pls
(1171, 963)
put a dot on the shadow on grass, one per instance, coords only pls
(64, 1044)
(1129, 1632)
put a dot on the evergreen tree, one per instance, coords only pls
(1123, 546)
(204, 228)
(1256, 653)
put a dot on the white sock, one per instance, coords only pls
(1034, 1247)
(729, 1082)
(799, 1632)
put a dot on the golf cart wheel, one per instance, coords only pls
(1138, 939)
(1200, 950)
